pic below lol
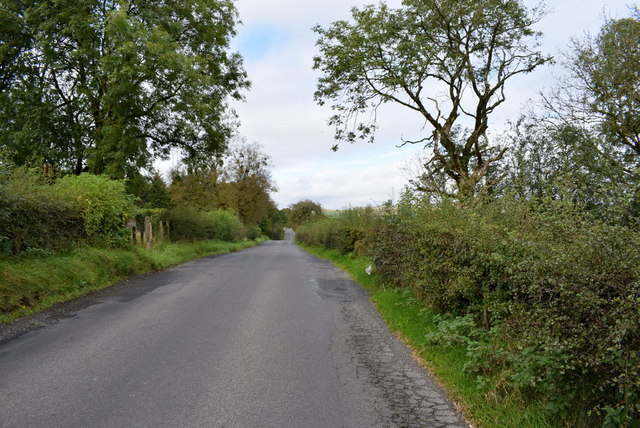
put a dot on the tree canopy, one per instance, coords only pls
(109, 86)
(448, 61)
(240, 182)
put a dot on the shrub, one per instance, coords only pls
(32, 219)
(104, 203)
(226, 226)
(253, 232)
(347, 232)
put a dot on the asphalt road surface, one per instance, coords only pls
(267, 337)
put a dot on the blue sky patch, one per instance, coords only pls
(254, 43)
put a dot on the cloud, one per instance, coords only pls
(280, 113)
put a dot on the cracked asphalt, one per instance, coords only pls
(267, 337)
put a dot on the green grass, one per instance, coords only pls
(29, 285)
(412, 321)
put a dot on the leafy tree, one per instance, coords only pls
(602, 91)
(273, 225)
(448, 61)
(247, 178)
(198, 189)
(304, 211)
(16, 40)
(560, 161)
(127, 81)
(240, 182)
(151, 190)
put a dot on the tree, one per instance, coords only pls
(247, 176)
(304, 211)
(197, 188)
(240, 181)
(447, 60)
(151, 190)
(602, 91)
(127, 80)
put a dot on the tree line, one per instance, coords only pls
(109, 87)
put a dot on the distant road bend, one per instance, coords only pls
(267, 337)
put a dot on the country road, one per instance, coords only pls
(267, 337)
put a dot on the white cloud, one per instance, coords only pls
(279, 112)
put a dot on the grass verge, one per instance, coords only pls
(29, 285)
(412, 321)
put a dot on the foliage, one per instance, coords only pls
(109, 86)
(347, 232)
(104, 203)
(600, 94)
(539, 293)
(190, 224)
(240, 182)
(150, 190)
(273, 225)
(248, 180)
(564, 161)
(252, 232)
(304, 211)
(197, 189)
(542, 280)
(465, 49)
(608, 71)
(32, 220)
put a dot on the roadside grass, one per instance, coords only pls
(31, 284)
(412, 321)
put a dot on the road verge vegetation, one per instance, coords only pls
(35, 282)
(525, 311)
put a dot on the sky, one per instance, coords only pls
(279, 112)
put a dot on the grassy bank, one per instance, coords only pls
(413, 322)
(31, 284)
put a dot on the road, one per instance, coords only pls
(267, 337)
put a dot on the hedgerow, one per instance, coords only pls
(32, 220)
(188, 224)
(544, 297)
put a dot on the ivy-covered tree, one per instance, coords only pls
(126, 81)
(446, 60)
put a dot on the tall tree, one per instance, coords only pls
(247, 177)
(447, 60)
(131, 80)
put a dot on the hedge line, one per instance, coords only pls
(39, 217)
(543, 297)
